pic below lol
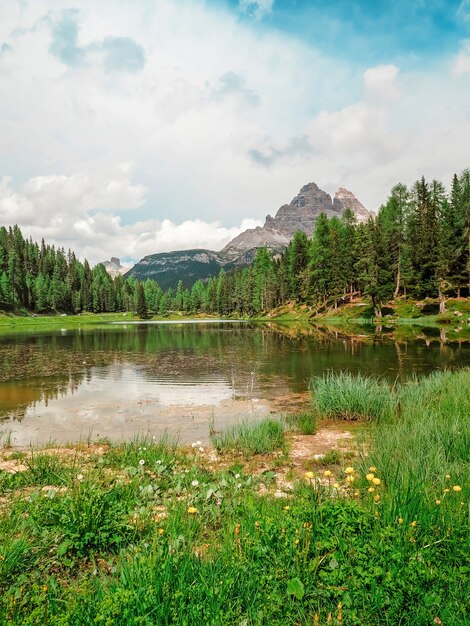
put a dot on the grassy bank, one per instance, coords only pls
(148, 533)
(12, 322)
(361, 311)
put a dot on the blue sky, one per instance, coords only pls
(128, 128)
(371, 31)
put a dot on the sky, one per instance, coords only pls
(129, 128)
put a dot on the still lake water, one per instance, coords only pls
(121, 381)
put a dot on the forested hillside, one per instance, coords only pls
(41, 278)
(418, 245)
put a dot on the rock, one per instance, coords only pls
(114, 267)
(300, 214)
(344, 199)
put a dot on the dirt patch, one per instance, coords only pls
(308, 447)
(12, 466)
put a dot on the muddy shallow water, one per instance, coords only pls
(131, 379)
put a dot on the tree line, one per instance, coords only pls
(418, 246)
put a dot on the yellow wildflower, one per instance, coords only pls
(192, 510)
(371, 489)
(160, 531)
(349, 470)
(376, 498)
(309, 475)
(447, 476)
(413, 523)
(286, 508)
(370, 477)
(446, 490)
(400, 520)
(372, 469)
(376, 481)
(350, 479)
(336, 485)
(327, 473)
(457, 488)
(438, 502)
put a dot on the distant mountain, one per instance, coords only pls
(114, 267)
(167, 268)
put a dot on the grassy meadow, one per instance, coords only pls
(238, 534)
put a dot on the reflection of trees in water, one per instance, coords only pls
(31, 396)
(274, 357)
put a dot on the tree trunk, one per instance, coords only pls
(397, 286)
(442, 302)
(377, 309)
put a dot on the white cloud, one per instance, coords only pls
(64, 209)
(461, 65)
(381, 83)
(463, 12)
(46, 199)
(257, 8)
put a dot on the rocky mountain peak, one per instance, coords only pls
(345, 199)
(300, 214)
(114, 267)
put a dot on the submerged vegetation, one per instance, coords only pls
(148, 533)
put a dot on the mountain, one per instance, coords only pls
(114, 267)
(301, 214)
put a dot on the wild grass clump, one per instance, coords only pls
(352, 397)
(251, 438)
(305, 422)
(426, 447)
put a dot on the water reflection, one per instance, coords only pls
(121, 380)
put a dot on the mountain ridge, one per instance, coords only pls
(167, 268)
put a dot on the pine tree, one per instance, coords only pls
(141, 304)
(320, 260)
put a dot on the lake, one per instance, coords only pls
(125, 380)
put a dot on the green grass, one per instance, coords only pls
(351, 397)
(305, 422)
(251, 438)
(429, 437)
